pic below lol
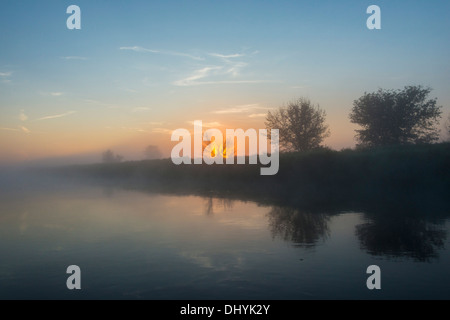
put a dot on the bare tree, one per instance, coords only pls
(301, 125)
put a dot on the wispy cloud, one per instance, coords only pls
(24, 129)
(214, 124)
(156, 123)
(238, 109)
(221, 82)
(74, 58)
(212, 74)
(9, 129)
(20, 129)
(170, 53)
(138, 49)
(227, 56)
(235, 69)
(51, 94)
(257, 115)
(232, 67)
(241, 109)
(234, 82)
(197, 75)
(56, 116)
(140, 130)
(225, 69)
(4, 76)
(23, 116)
(162, 130)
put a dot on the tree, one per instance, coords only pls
(448, 127)
(301, 125)
(109, 157)
(390, 117)
(152, 152)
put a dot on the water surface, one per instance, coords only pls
(141, 245)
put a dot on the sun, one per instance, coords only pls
(215, 148)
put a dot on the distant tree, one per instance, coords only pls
(390, 117)
(301, 125)
(109, 157)
(448, 128)
(152, 152)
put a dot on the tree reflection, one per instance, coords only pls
(400, 236)
(211, 203)
(303, 228)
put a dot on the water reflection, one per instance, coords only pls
(400, 236)
(108, 191)
(212, 203)
(170, 246)
(382, 234)
(302, 228)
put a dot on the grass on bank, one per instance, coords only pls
(408, 175)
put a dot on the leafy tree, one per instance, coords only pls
(448, 127)
(109, 157)
(390, 117)
(152, 152)
(301, 125)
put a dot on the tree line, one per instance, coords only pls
(150, 152)
(385, 117)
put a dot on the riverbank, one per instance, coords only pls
(412, 177)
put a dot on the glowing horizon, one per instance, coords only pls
(128, 78)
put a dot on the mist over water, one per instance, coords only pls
(140, 244)
(120, 121)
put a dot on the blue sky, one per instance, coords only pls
(139, 69)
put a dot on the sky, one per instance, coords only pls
(137, 70)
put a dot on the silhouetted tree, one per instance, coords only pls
(402, 236)
(152, 152)
(109, 157)
(390, 117)
(305, 229)
(448, 128)
(301, 125)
